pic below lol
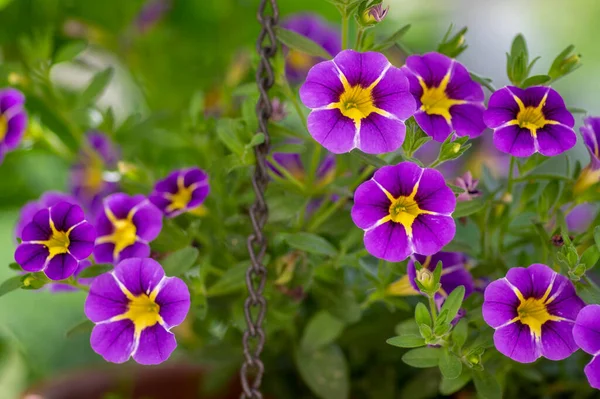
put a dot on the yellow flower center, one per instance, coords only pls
(533, 312)
(356, 102)
(435, 100)
(58, 243)
(143, 311)
(124, 233)
(182, 197)
(403, 210)
(531, 118)
(3, 127)
(300, 60)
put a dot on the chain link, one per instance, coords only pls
(255, 306)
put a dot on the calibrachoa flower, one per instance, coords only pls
(47, 200)
(526, 121)
(319, 31)
(91, 179)
(404, 209)
(587, 336)
(182, 190)
(467, 183)
(448, 100)
(532, 310)
(13, 120)
(590, 175)
(455, 271)
(134, 308)
(358, 100)
(125, 227)
(55, 241)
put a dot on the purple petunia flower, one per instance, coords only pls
(182, 190)
(125, 227)
(586, 333)
(91, 179)
(47, 200)
(467, 183)
(358, 100)
(455, 271)
(55, 241)
(134, 308)
(319, 31)
(13, 120)
(404, 209)
(590, 175)
(533, 311)
(526, 121)
(448, 100)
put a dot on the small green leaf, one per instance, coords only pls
(454, 301)
(11, 284)
(180, 261)
(590, 257)
(96, 87)
(450, 365)
(368, 158)
(422, 315)
(393, 39)
(234, 279)
(407, 327)
(449, 387)
(536, 80)
(84, 326)
(257, 139)
(95, 270)
(485, 82)
(321, 330)
(15, 266)
(460, 333)
(69, 51)
(597, 236)
(310, 243)
(406, 341)
(301, 43)
(325, 371)
(422, 357)
(466, 208)
(486, 385)
(519, 46)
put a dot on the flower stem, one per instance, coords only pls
(510, 174)
(345, 19)
(326, 215)
(432, 307)
(359, 38)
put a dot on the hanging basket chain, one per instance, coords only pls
(255, 306)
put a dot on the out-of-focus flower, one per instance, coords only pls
(55, 241)
(151, 13)
(467, 183)
(292, 163)
(448, 100)
(91, 176)
(13, 120)
(279, 110)
(455, 271)
(526, 121)
(125, 227)
(533, 310)
(47, 200)
(134, 308)
(181, 191)
(404, 209)
(586, 333)
(358, 100)
(580, 218)
(319, 31)
(590, 175)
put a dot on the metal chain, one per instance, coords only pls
(255, 306)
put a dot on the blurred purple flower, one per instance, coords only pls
(47, 200)
(279, 110)
(151, 13)
(467, 183)
(13, 120)
(181, 191)
(590, 175)
(580, 218)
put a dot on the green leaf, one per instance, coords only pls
(180, 261)
(15, 266)
(171, 238)
(393, 39)
(96, 86)
(234, 279)
(422, 357)
(368, 158)
(486, 385)
(95, 270)
(449, 387)
(301, 43)
(422, 315)
(460, 333)
(450, 365)
(310, 243)
(321, 330)
(466, 208)
(406, 341)
(519, 46)
(597, 236)
(455, 45)
(536, 80)
(227, 132)
(590, 257)
(84, 326)
(69, 51)
(257, 139)
(11, 284)
(485, 82)
(325, 371)
(454, 301)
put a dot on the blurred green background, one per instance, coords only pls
(197, 46)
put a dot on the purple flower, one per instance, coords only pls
(13, 120)
(60, 287)
(532, 310)
(455, 271)
(181, 191)
(125, 227)
(448, 100)
(47, 200)
(404, 209)
(134, 308)
(580, 218)
(358, 100)
(590, 175)
(55, 241)
(151, 13)
(378, 13)
(587, 336)
(279, 110)
(91, 180)
(467, 183)
(319, 31)
(526, 121)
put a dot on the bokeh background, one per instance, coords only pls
(202, 46)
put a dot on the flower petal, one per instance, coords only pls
(31, 257)
(467, 119)
(15, 130)
(322, 87)
(10, 97)
(139, 275)
(515, 141)
(392, 94)
(517, 342)
(586, 331)
(39, 228)
(555, 139)
(399, 180)
(430, 233)
(135, 250)
(361, 68)
(103, 253)
(462, 87)
(557, 340)
(379, 134)
(105, 300)
(435, 126)
(155, 345)
(520, 278)
(502, 108)
(431, 67)
(592, 372)
(500, 303)
(66, 215)
(332, 130)
(388, 242)
(113, 341)
(148, 221)
(433, 194)
(61, 266)
(370, 205)
(556, 110)
(82, 240)
(174, 301)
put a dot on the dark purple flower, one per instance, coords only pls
(404, 210)
(590, 175)
(91, 176)
(47, 200)
(455, 271)
(533, 311)
(467, 183)
(55, 241)
(358, 100)
(60, 287)
(125, 227)
(13, 120)
(587, 336)
(134, 308)
(151, 13)
(319, 31)
(526, 121)
(181, 191)
(448, 100)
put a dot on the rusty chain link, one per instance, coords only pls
(256, 276)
